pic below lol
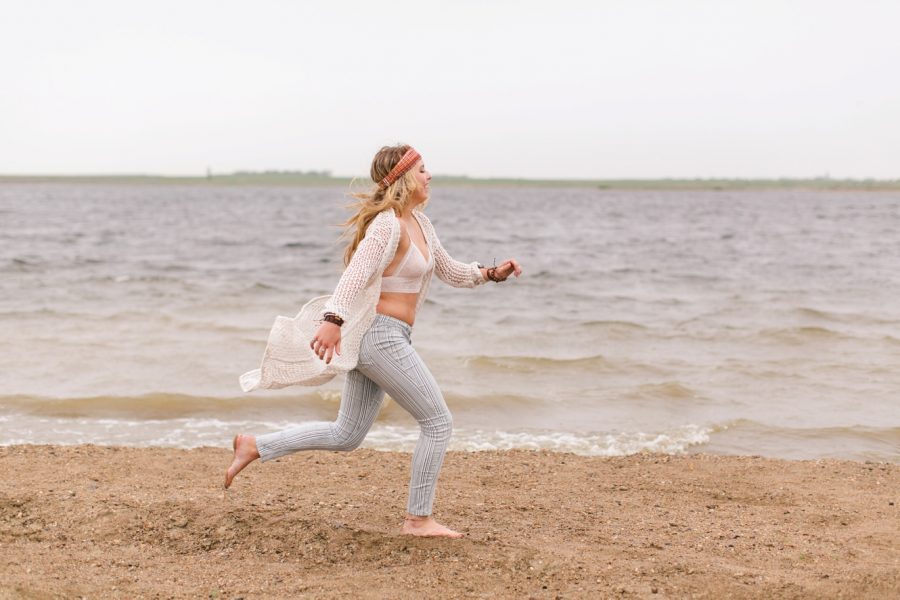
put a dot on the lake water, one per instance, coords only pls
(738, 322)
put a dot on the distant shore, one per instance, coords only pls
(108, 522)
(317, 179)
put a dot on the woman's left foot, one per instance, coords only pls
(427, 527)
(245, 452)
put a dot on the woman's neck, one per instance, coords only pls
(407, 212)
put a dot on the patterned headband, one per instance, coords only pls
(410, 158)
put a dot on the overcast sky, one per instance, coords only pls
(555, 88)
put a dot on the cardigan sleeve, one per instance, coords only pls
(363, 266)
(449, 270)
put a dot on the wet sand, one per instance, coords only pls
(103, 522)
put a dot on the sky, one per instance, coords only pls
(601, 89)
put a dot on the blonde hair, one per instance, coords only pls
(375, 200)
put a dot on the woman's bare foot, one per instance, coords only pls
(245, 452)
(427, 527)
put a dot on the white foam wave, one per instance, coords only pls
(193, 432)
(604, 444)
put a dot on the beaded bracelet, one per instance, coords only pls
(492, 273)
(333, 318)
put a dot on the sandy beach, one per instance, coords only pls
(108, 522)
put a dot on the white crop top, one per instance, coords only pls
(409, 273)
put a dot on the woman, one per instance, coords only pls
(391, 256)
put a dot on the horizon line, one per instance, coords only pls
(328, 175)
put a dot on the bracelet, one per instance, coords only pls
(333, 318)
(492, 273)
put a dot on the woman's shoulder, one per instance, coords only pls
(382, 223)
(385, 216)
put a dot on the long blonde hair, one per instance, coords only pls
(371, 202)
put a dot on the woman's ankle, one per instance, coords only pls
(248, 444)
(415, 519)
(427, 526)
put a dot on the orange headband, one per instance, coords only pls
(410, 158)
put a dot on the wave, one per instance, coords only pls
(799, 335)
(667, 389)
(889, 432)
(28, 264)
(815, 313)
(24, 265)
(587, 366)
(599, 324)
(259, 285)
(856, 442)
(532, 364)
(840, 317)
(222, 241)
(739, 436)
(44, 311)
(674, 441)
(72, 321)
(152, 279)
(159, 405)
(812, 334)
(542, 274)
(193, 433)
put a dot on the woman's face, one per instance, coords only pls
(422, 178)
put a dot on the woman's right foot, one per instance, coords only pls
(245, 452)
(427, 527)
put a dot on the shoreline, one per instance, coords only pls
(107, 521)
(711, 449)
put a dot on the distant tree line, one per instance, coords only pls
(279, 172)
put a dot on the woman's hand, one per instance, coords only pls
(508, 267)
(327, 341)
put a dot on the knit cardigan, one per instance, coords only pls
(288, 359)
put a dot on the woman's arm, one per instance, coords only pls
(449, 270)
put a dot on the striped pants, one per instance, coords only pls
(387, 363)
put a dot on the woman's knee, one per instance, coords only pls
(438, 427)
(346, 439)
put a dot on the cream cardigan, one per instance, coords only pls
(288, 359)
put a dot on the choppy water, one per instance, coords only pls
(731, 322)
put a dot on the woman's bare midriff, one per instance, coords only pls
(400, 305)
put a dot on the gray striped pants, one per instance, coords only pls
(387, 363)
